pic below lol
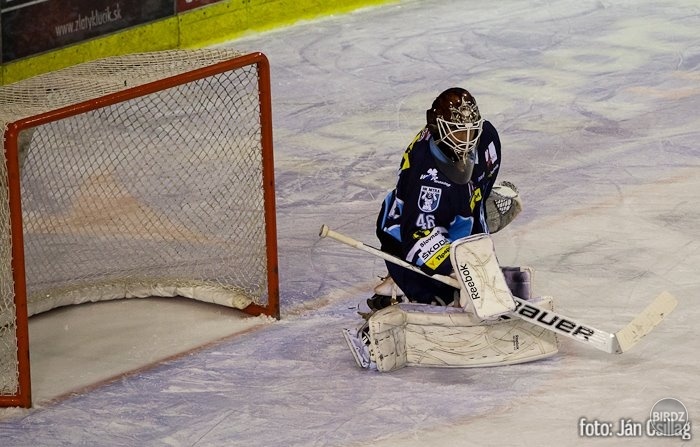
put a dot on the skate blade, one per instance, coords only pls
(357, 348)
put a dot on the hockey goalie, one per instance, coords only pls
(446, 301)
(438, 218)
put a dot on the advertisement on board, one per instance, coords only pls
(31, 27)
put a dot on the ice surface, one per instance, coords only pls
(597, 106)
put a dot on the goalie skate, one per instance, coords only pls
(358, 342)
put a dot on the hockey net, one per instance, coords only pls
(141, 175)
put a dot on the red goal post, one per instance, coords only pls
(142, 175)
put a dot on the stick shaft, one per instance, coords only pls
(327, 232)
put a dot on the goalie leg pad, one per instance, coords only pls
(387, 336)
(422, 335)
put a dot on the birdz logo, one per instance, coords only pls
(668, 418)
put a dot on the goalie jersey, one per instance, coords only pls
(427, 210)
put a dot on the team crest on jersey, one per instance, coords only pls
(429, 198)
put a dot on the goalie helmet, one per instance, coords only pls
(456, 124)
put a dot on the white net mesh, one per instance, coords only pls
(160, 195)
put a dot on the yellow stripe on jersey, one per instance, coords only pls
(476, 197)
(405, 162)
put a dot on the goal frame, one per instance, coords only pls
(23, 398)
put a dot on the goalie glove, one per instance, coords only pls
(502, 206)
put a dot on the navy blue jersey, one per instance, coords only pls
(488, 160)
(427, 210)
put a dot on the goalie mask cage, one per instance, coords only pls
(141, 175)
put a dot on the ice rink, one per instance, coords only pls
(596, 103)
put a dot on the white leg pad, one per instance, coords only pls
(420, 335)
(387, 332)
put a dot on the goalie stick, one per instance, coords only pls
(612, 343)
